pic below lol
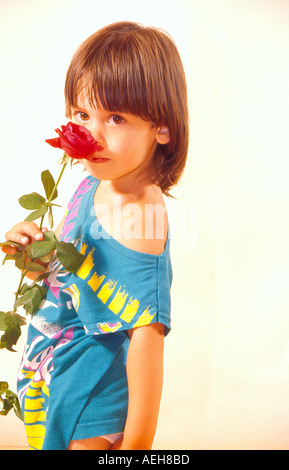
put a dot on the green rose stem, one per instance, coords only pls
(25, 271)
(23, 274)
(54, 189)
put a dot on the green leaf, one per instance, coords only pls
(41, 277)
(7, 406)
(31, 201)
(7, 319)
(10, 337)
(13, 257)
(3, 387)
(49, 184)
(31, 300)
(13, 399)
(20, 263)
(46, 258)
(34, 267)
(28, 251)
(3, 323)
(10, 400)
(43, 248)
(37, 214)
(49, 236)
(42, 289)
(12, 317)
(69, 257)
(24, 289)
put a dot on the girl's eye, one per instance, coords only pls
(116, 119)
(83, 116)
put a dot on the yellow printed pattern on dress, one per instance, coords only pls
(109, 328)
(95, 281)
(35, 431)
(86, 266)
(28, 374)
(130, 310)
(145, 318)
(106, 291)
(34, 404)
(118, 301)
(33, 392)
(35, 443)
(35, 388)
(83, 247)
(34, 414)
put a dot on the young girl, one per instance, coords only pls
(91, 373)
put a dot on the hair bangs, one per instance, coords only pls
(114, 79)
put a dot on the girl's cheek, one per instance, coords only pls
(114, 145)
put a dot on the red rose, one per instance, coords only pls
(76, 141)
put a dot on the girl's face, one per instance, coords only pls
(128, 142)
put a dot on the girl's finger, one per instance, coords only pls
(24, 232)
(8, 250)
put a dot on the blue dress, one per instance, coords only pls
(72, 380)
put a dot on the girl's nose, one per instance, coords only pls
(95, 130)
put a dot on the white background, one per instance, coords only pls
(227, 357)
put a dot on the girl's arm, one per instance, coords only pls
(145, 353)
(145, 380)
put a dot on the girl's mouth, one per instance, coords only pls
(97, 159)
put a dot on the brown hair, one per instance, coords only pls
(135, 69)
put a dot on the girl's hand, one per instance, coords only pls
(23, 233)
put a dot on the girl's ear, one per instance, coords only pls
(163, 135)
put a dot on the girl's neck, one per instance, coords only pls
(134, 192)
(132, 184)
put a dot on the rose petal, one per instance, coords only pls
(54, 142)
(76, 141)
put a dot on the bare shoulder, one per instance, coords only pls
(137, 221)
(145, 222)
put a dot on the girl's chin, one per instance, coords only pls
(95, 169)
